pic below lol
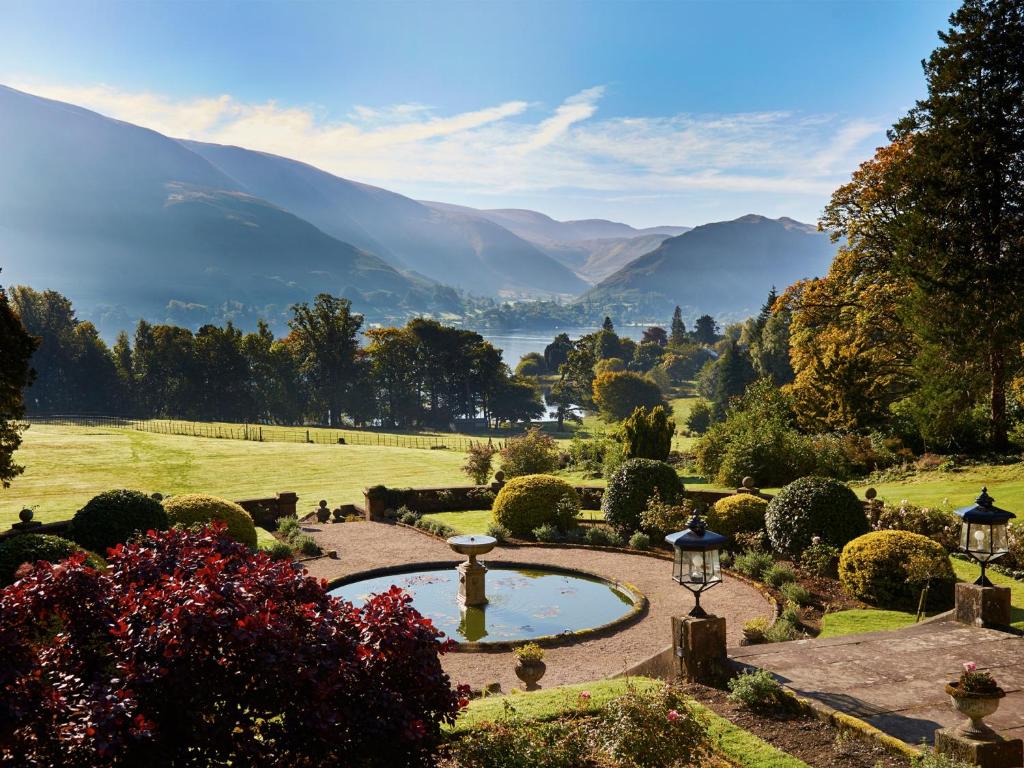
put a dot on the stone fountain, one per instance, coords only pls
(472, 589)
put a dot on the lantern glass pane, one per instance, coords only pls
(965, 535)
(1000, 540)
(714, 566)
(677, 564)
(696, 568)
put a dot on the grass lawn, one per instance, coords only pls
(66, 466)
(958, 488)
(739, 747)
(264, 538)
(477, 520)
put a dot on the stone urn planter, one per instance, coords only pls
(975, 706)
(530, 672)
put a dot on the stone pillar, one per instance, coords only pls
(981, 606)
(472, 589)
(699, 646)
(994, 753)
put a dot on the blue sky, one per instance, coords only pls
(645, 112)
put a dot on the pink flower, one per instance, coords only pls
(585, 695)
(672, 715)
(970, 666)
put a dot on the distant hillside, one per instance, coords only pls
(129, 223)
(594, 248)
(722, 268)
(449, 247)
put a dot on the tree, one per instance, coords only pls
(647, 434)
(557, 352)
(222, 372)
(678, 335)
(531, 364)
(479, 462)
(325, 341)
(516, 400)
(725, 378)
(16, 348)
(607, 324)
(646, 356)
(617, 395)
(655, 335)
(706, 330)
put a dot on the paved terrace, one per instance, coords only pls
(894, 680)
(363, 546)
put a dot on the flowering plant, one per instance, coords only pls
(973, 681)
(529, 652)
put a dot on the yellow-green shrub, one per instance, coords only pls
(196, 509)
(887, 569)
(739, 513)
(530, 501)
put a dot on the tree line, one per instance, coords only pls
(423, 374)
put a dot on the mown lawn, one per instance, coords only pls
(736, 745)
(66, 466)
(957, 488)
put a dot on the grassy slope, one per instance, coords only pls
(736, 745)
(66, 466)
(959, 488)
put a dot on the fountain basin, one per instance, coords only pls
(527, 602)
(472, 545)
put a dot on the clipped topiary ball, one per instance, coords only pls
(740, 513)
(197, 509)
(32, 547)
(888, 569)
(113, 517)
(630, 488)
(814, 506)
(530, 501)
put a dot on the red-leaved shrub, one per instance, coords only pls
(191, 651)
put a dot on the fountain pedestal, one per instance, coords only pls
(472, 575)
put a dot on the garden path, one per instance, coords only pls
(364, 545)
(894, 680)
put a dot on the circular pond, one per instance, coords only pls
(524, 603)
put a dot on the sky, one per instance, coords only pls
(644, 112)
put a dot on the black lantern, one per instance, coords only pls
(696, 564)
(983, 533)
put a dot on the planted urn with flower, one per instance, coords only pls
(975, 695)
(530, 667)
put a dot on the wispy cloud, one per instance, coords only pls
(517, 147)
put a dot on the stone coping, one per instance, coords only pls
(636, 612)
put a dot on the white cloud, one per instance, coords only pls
(520, 150)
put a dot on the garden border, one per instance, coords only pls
(566, 639)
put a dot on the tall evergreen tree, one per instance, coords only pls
(607, 324)
(677, 335)
(16, 348)
(706, 330)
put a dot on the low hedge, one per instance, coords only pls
(32, 547)
(740, 513)
(814, 506)
(530, 501)
(113, 517)
(197, 509)
(887, 569)
(631, 487)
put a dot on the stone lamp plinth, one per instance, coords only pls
(472, 588)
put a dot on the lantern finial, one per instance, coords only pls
(984, 500)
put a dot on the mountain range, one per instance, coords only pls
(129, 222)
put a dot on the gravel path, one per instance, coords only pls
(362, 546)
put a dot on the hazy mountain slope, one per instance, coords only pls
(724, 267)
(120, 216)
(593, 248)
(466, 251)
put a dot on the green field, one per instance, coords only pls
(66, 466)
(957, 488)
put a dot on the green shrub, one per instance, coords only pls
(614, 456)
(33, 547)
(797, 593)
(778, 574)
(785, 628)
(528, 502)
(887, 569)
(630, 490)
(640, 540)
(499, 532)
(547, 532)
(820, 559)
(288, 527)
(479, 461)
(938, 525)
(113, 517)
(755, 629)
(753, 564)
(435, 527)
(279, 550)
(535, 453)
(599, 536)
(739, 513)
(407, 516)
(760, 691)
(587, 454)
(198, 509)
(755, 541)
(307, 545)
(510, 743)
(647, 434)
(699, 419)
(659, 518)
(653, 729)
(617, 395)
(814, 506)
